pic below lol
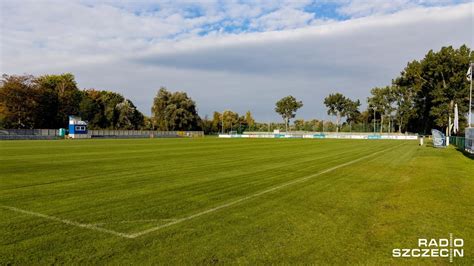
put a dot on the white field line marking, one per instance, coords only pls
(303, 179)
(68, 222)
(134, 221)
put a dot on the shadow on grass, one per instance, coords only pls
(430, 145)
(465, 153)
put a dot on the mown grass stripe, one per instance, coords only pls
(234, 202)
(180, 220)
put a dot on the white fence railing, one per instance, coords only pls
(322, 135)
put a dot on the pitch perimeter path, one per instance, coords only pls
(214, 200)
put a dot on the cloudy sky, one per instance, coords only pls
(234, 55)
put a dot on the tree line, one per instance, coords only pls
(47, 101)
(420, 98)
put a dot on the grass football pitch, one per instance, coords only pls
(237, 201)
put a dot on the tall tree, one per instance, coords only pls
(337, 105)
(60, 98)
(404, 105)
(299, 124)
(352, 111)
(382, 99)
(249, 120)
(445, 72)
(109, 110)
(147, 123)
(287, 107)
(436, 83)
(18, 102)
(91, 109)
(110, 101)
(206, 125)
(231, 120)
(160, 103)
(47, 101)
(216, 122)
(128, 116)
(174, 111)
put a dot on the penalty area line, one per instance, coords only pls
(223, 206)
(65, 221)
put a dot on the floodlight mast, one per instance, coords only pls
(223, 122)
(470, 96)
(374, 108)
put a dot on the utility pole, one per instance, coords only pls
(470, 96)
(223, 122)
(374, 108)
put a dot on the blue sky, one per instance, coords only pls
(238, 55)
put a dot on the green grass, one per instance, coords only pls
(354, 214)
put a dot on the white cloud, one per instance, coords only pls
(283, 19)
(132, 48)
(359, 8)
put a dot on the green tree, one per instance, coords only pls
(18, 102)
(249, 120)
(382, 99)
(352, 111)
(216, 122)
(128, 116)
(445, 74)
(435, 84)
(299, 124)
(174, 111)
(109, 110)
(160, 103)
(110, 101)
(58, 98)
(47, 101)
(337, 105)
(287, 107)
(147, 123)
(91, 109)
(206, 125)
(404, 105)
(231, 120)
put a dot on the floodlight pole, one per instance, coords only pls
(470, 96)
(223, 122)
(374, 108)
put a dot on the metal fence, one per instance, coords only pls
(466, 144)
(38, 134)
(459, 142)
(122, 134)
(29, 134)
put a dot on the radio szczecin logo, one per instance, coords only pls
(433, 248)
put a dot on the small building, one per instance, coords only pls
(77, 128)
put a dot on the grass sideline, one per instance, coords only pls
(354, 214)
